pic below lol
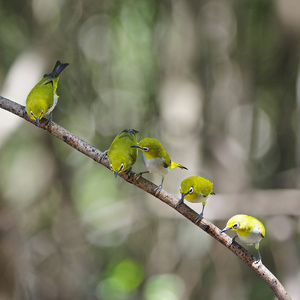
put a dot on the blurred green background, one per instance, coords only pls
(214, 81)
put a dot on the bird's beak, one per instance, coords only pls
(225, 229)
(182, 196)
(136, 146)
(37, 120)
(116, 173)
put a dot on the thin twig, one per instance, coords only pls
(149, 187)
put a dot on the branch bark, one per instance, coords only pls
(142, 183)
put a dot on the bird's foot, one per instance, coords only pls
(257, 263)
(138, 175)
(128, 170)
(48, 122)
(231, 241)
(199, 218)
(157, 190)
(103, 155)
(178, 203)
(24, 111)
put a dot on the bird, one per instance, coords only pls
(196, 189)
(120, 155)
(249, 230)
(156, 159)
(42, 99)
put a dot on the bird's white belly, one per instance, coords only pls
(155, 165)
(199, 199)
(254, 237)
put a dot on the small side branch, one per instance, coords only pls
(92, 152)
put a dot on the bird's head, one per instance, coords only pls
(119, 163)
(151, 147)
(236, 223)
(196, 186)
(36, 110)
(187, 190)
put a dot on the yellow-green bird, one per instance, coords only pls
(156, 159)
(196, 189)
(120, 154)
(249, 230)
(42, 99)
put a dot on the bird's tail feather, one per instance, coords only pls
(176, 165)
(58, 68)
(131, 131)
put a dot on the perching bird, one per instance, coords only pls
(156, 159)
(248, 229)
(120, 155)
(196, 189)
(42, 99)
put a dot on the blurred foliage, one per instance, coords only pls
(214, 81)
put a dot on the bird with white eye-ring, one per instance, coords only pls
(42, 99)
(196, 189)
(249, 230)
(156, 159)
(120, 155)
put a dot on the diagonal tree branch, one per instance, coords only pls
(149, 187)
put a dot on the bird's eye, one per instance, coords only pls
(31, 113)
(145, 149)
(121, 167)
(191, 190)
(235, 225)
(111, 167)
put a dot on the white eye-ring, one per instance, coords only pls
(191, 190)
(236, 225)
(111, 167)
(31, 113)
(145, 149)
(121, 167)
